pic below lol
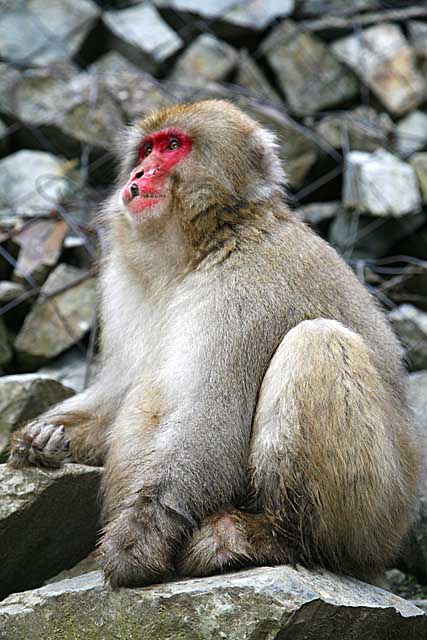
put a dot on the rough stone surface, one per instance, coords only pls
(44, 31)
(36, 190)
(68, 107)
(411, 133)
(417, 392)
(321, 7)
(48, 522)
(261, 603)
(59, 320)
(383, 59)
(309, 75)
(207, 58)
(419, 163)
(143, 35)
(410, 324)
(380, 184)
(25, 396)
(137, 92)
(41, 245)
(250, 76)
(10, 291)
(418, 37)
(251, 14)
(361, 129)
(414, 556)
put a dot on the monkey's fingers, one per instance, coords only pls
(40, 443)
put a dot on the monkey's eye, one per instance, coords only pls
(148, 149)
(173, 144)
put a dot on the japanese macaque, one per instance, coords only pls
(251, 408)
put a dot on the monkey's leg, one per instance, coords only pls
(331, 485)
(331, 454)
(75, 429)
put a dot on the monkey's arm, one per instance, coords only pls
(74, 429)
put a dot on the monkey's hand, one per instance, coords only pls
(39, 443)
(137, 548)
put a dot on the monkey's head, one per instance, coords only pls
(191, 157)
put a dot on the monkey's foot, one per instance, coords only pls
(134, 552)
(220, 544)
(39, 443)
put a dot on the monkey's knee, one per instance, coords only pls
(323, 453)
(318, 369)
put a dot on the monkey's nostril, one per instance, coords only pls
(139, 174)
(134, 189)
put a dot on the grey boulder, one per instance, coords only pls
(48, 522)
(267, 602)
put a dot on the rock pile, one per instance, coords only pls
(344, 88)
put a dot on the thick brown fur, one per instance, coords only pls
(251, 408)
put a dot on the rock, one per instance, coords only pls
(362, 128)
(325, 7)
(250, 76)
(317, 212)
(48, 522)
(297, 149)
(380, 184)
(250, 14)
(366, 237)
(44, 31)
(6, 352)
(417, 393)
(260, 603)
(38, 174)
(41, 245)
(137, 92)
(411, 133)
(410, 324)
(414, 555)
(10, 291)
(14, 301)
(419, 163)
(142, 35)
(70, 369)
(308, 74)
(4, 138)
(64, 106)
(59, 320)
(418, 37)
(421, 604)
(24, 397)
(207, 58)
(383, 59)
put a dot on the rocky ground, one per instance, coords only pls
(344, 85)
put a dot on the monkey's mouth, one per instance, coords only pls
(144, 201)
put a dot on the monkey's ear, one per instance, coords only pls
(265, 148)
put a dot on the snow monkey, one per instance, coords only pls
(251, 406)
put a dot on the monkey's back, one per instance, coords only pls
(307, 279)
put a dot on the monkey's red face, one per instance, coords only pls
(148, 189)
